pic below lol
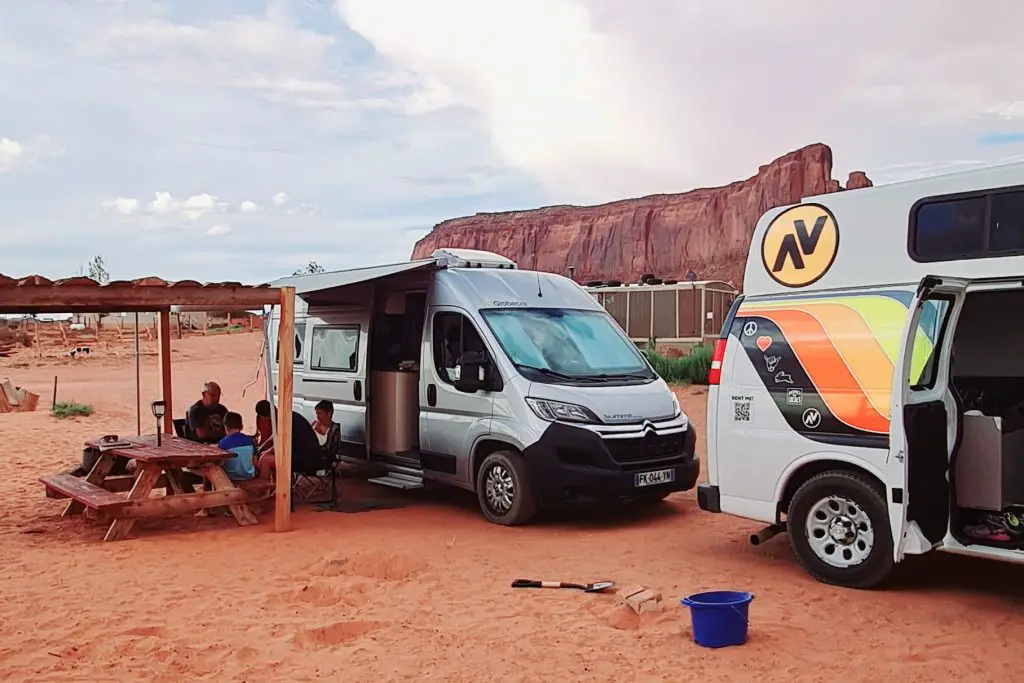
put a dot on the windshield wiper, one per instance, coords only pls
(547, 371)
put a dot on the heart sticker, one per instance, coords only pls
(763, 342)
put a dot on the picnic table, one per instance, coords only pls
(165, 466)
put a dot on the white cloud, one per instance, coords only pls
(199, 205)
(279, 198)
(14, 153)
(126, 206)
(249, 207)
(219, 229)
(164, 204)
(600, 99)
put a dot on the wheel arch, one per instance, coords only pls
(809, 466)
(484, 447)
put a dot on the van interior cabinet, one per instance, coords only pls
(989, 465)
(394, 419)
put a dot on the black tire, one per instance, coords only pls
(614, 283)
(866, 493)
(523, 501)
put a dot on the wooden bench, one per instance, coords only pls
(119, 483)
(78, 489)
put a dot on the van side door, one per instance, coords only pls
(924, 420)
(336, 371)
(453, 420)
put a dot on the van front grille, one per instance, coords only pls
(646, 448)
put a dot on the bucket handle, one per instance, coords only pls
(687, 602)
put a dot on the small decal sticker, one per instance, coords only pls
(782, 377)
(763, 342)
(741, 411)
(794, 397)
(772, 362)
(750, 329)
(811, 418)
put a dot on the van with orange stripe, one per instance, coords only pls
(867, 391)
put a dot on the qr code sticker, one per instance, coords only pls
(741, 411)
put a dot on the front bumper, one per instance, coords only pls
(574, 465)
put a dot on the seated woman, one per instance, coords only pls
(328, 432)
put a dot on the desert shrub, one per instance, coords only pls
(71, 409)
(692, 368)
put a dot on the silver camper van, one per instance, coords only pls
(462, 369)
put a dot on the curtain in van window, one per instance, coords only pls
(334, 348)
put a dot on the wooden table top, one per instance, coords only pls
(172, 451)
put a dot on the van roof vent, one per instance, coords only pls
(471, 258)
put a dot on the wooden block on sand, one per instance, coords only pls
(640, 599)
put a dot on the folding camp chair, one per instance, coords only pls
(316, 472)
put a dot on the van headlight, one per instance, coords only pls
(562, 412)
(677, 410)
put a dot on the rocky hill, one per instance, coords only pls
(706, 230)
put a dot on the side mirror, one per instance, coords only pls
(471, 372)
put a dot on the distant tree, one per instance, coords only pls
(97, 270)
(309, 269)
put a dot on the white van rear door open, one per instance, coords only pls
(907, 538)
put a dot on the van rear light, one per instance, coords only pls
(715, 375)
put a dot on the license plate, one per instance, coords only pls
(653, 478)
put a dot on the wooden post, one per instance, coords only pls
(164, 355)
(283, 438)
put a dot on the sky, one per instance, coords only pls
(240, 139)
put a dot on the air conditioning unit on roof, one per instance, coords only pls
(471, 258)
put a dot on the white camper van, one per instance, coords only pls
(462, 369)
(868, 385)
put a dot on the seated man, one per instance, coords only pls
(205, 417)
(242, 467)
(328, 432)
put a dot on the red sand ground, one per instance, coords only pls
(422, 592)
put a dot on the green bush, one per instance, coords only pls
(71, 409)
(689, 369)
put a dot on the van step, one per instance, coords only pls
(397, 480)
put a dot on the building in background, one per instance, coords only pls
(680, 315)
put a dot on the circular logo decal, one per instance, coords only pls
(800, 245)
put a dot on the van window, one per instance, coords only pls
(300, 339)
(944, 231)
(981, 225)
(1007, 222)
(335, 347)
(453, 335)
(931, 328)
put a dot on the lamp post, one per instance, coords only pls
(158, 408)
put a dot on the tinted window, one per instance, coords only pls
(334, 348)
(1007, 222)
(950, 229)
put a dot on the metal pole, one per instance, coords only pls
(138, 384)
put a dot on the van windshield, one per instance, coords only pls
(551, 344)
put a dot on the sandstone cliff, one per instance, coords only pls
(706, 230)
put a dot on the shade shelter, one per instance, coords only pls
(38, 295)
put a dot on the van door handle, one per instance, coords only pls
(431, 395)
(357, 391)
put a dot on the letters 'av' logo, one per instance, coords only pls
(800, 245)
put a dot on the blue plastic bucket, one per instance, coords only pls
(720, 618)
